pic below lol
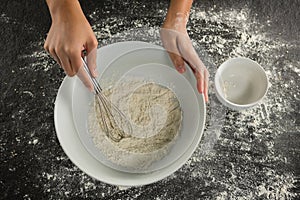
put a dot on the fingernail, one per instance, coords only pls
(181, 69)
(91, 88)
(96, 73)
(206, 98)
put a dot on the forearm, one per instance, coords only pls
(178, 12)
(61, 7)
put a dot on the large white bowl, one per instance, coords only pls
(164, 75)
(75, 150)
(240, 83)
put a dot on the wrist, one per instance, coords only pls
(178, 14)
(59, 7)
(177, 21)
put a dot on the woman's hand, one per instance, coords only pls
(70, 33)
(177, 42)
(181, 51)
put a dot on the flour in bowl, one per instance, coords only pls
(155, 115)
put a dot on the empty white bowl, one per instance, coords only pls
(240, 83)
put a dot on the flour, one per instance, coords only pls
(155, 116)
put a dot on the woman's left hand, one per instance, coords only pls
(176, 41)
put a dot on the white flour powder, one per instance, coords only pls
(155, 115)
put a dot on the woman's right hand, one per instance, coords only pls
(70, 33)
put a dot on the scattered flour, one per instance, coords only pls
(237, 158)
(155, 115)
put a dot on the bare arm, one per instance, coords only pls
(179, 46)
(178, 14)
(69, 34)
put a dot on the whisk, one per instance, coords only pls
(113, 121)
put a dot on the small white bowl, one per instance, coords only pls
(240, 83)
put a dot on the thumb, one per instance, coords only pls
(91, 49)
(83, 76)
(178, 62)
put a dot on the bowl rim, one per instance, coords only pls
(78, 154)
(218, 88)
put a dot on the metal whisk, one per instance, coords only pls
(113, 121)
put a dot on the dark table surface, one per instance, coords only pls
(255, 153)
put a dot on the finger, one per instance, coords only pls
(46, 46)
(91, 43)
(92, 62)
(168, 38)
(75, 60)
(206, 76)
(66, 64)
(177, 61)
(187, 51)
(200, 81)
(82, 75)
(91, 48)
(199, 75)
(54, 56)
(191, 57)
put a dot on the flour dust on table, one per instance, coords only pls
(252, 154)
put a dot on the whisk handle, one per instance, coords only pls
(94, 81)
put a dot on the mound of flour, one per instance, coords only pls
(155, 115)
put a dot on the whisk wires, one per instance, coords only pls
(113, 121)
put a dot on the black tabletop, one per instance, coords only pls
(251, 154)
